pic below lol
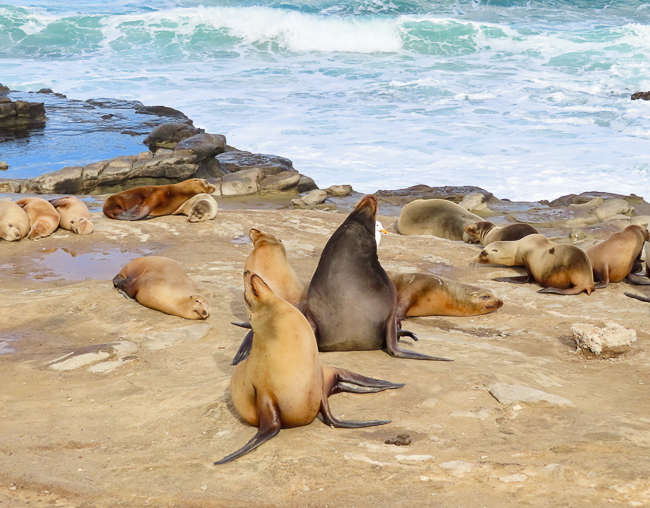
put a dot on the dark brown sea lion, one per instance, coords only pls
(283, 384)
(437, 217)
(162, 284)
(561, 269)
(43, 217)
(613, 259)
(154, 200)
(14, 222)
(423, 294)
(75, 215)
(485, 232)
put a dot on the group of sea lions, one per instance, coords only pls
(36, 218)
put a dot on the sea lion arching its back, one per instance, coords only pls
(282, 384)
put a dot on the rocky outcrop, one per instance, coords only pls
(20, 115)
(404, 196)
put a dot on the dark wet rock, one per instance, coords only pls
(45, 90)
(161, 111)
(4, 89)
(306, 184)
(203, 145)
(641, 95)
(280, 182)
(451, 193)
(579, 199)
(168, 135)
(21, 115)
(234, 161)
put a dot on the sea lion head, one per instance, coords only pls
(81, 226)
(199, 210)
(10, 233)
(205, 186)
(499, 253)
(478, 230)
(483, 300)
(200, 306)
(365, 213)
(256, 292)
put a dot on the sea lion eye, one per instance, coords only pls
(495, 250)
(485, 297)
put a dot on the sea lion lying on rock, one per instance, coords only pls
(282, 383)
(561, 269)
(162, 284)
(485, 232)
(14, 222)
(154, 200)
(74, 214)
(43, 217)
(437, 217)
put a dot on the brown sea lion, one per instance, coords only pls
(162, 284)
(14, 222)
(422, 294)
(437, 217)
(269, 261)
(154, 200)
(613, 259)
(485, 232)
(74, 214)
(43, 217)
(283, 384)
(561, 269)
(199, 208)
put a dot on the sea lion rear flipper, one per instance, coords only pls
(639, 280)
(523, 279)
(138, 212)
(330, 419)
(270, 425)
(406, 333)
(393, 348)
(121, 283)
(342, 380)
(246, 325)
(557, 291)
(637, 297)
(244, 349)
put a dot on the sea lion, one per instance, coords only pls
(14, 222)
(485, 232)
(43, 217)
(162, 284)
(613, 259)
(269, 260)
(561, 269)
(437, 217)
(154, 200)
(422, 294)
(199, 208)
(283, 384)
(74, 214)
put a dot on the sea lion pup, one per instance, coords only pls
(162, 284)
(422, 294)
(485, 232)
(74, 214)
(437, 217)
(613, 259)
(154, 200)
(199, 208)
(269, 261)
(561, 269)
(283, 384)
(43, 217)
(14, 222)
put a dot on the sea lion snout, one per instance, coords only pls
(481, 257)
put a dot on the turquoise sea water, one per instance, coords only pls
(528, 99)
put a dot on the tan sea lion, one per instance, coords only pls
(43, 217)
(282, 383)
(162, 284)
(74, 214)
(154, 200)
(199, 208)
(269, 261)
(14, 222)
(422, 294)
(613, 259)
(485, 232)
(561, 269)
(437, 217)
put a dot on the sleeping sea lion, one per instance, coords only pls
(283, 384)
(154, 200)
(561, 269)
(43, 217)
(74, 214)
(613, 259)
(14, 222)
(199, 208)
(269, 261)
(437, 217)
(422, 294)
(162, 284)
(485, 232)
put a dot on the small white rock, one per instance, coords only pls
(514, 478)
(457, 466)
(613, 338)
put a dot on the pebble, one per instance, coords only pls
(457, 466)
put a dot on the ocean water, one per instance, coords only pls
(528, 99)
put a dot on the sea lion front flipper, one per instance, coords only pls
(244, 349)
(393, 348)
(330, 419)
(638, 280)
(522, 279)
(138, 212)
(342, 380)
(637, 297)
(270, 425)
(246, 325)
